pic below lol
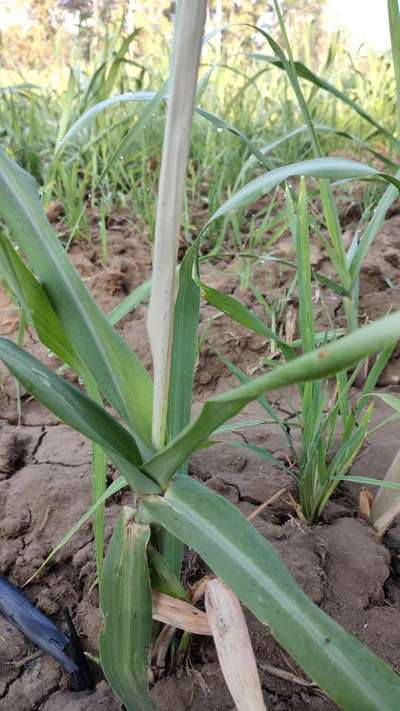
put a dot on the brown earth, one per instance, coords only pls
(45, 487)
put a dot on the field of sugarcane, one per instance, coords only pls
(200, 374)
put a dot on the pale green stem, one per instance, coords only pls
(186, 57)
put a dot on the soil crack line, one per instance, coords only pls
(39, 442)
(243, 497)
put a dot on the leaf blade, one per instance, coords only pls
(330, 168)
(125, 600)
(119, 373)
(78, 411)
(323, 362)
(248, 564)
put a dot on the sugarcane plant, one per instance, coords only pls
(151, 435)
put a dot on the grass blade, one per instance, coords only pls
(99, 483)
(134, 299)
(394, 24)
(114, 488)
(184, 347)
(302, 245)
(36, 307)
(241, 314)
(220, 124)
(243, 378)
(90, 115)
(374, 225)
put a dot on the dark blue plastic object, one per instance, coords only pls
(16, 607)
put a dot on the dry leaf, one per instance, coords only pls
(197, 591)
(235, 653)
(296, 507)
(365, 500)
(266, 503)
(179, 614)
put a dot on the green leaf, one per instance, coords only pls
(125, 146)
(118, 57)
(32, 298)
(370, 481)
(391, 400)
(35, 304)
(184, 347)
(264, 402)
(91, 114)
(329, 168)
(260, 452)
(374, 226)
(125, 600)
(302, 244)
(221, 124)
(319, 128)
(304, 72)
(241, 314)
(330, 284)
(163, 577)
(136, 297)
(183, 361)
(118, 372)
(78, 411)
(349, 673)
(373, 376)
(240, 425)
(17, 88)
(99, 484)
(67, 102)
(394, 24)
(116, 486)
(321, 363)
